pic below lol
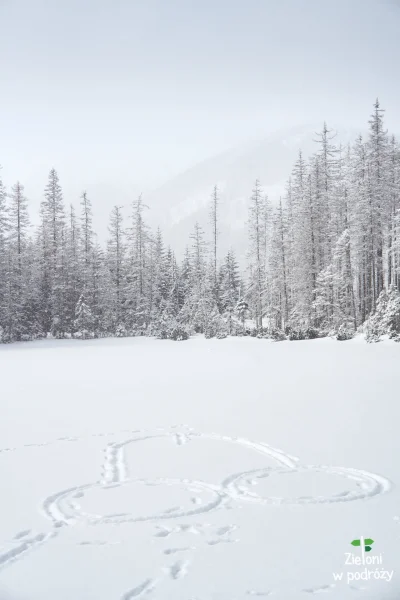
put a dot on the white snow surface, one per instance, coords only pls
(199, 470)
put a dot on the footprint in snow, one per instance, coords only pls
(320, 589)
(169, 551)
(22, 534)
(144, 588)
(178, 570)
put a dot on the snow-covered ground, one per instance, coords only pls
(200, 470)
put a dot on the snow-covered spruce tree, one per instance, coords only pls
(99, 278)
(229, 281)
(200, 310)
(334, 301)
(290, 262)
(87, 250)
(160, 283)
(242, 310)
(4, 272)
(278, 266)
(229, 286)
(393, 253)
(361, 230)
(256, 255)
(174, 291)
(395, 248)
(379, 193)
(54, 238)
(214, 221)
(302, 278)
(140, 257)
(169, 294)
(392, 315)
(84, 320)
(86, 237)
(116, 285)
(17, 316)
(374, 327)
(385, 321)
(72, 269)
(186, 276)
(325, 180)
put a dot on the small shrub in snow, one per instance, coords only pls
(395, 336)
(217, 327)
(296, 334)
(5, 338)
(26, 337)
(179, 334)
(386, 318)
(139, 332)
(263, 333)
(277, 335)
(371, 334)
(221, 335)
(163, 334)
(242, 309)
(344, 333)
(120, 331)
(83, 335)
(57, 329)
(311, 333)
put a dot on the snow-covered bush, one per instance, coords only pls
(172, 331)
(311, 333)
(392, 316)
(216, 327)
(179, 334)
(163, 333)
(263, 333)
(4, 337)
(84, 321)
(139, 331)
(344, 333)
(308, 333)
(386, 318)
(57, 329)
(120, 331)
(278, 335)
(221, 335)
(84, 334)
(242, 310)
(295, 334)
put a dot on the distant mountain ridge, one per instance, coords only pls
(179, 203)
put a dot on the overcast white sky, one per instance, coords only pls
(133, 92)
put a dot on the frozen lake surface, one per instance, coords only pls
(199, 470)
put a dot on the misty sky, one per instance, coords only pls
(130, 93)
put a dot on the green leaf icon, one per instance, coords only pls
(355, 543)
(368, 548)
(369, 542)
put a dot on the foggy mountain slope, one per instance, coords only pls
(179, 203)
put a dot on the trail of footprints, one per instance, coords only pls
(63, 509)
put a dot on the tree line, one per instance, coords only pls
(324, 260)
